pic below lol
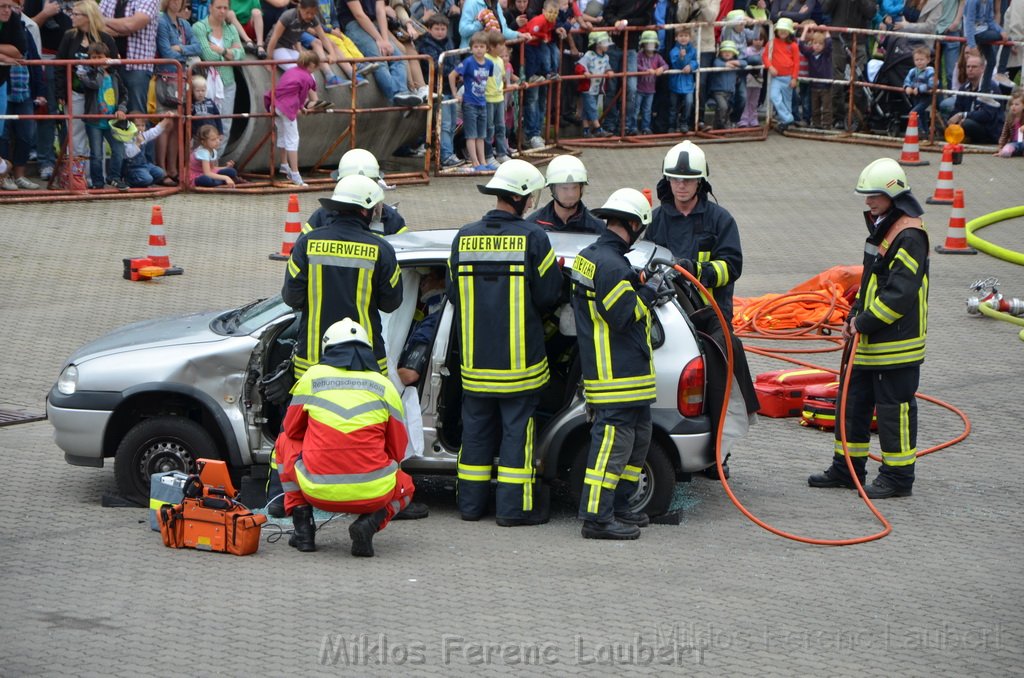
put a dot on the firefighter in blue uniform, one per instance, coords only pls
(566, 176)
(359, 162)
(702, 235)
(613, 324)
(502, 277)
(888, 322)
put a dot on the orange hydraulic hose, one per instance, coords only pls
(730, 358)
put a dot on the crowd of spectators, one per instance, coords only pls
(544, 40)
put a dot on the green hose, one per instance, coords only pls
(987, 247)
(999, 315)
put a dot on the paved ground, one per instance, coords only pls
(91, 591)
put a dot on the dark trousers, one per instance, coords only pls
(619, 440)
(503, 428)
(890, 395)
(821, 107)
(840, 93)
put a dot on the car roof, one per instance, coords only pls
(426, 246)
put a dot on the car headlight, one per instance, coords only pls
(67, 382)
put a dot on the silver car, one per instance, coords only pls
(156, 395)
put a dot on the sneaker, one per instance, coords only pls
(118, 184)
(419, 151)
(22, 182)
(586, 133)
(491, 167)
(46, 173)
(422, 92)
(552, 76)
(535, 78)
(501, 159)
(482, 168)
(537, 142)
(297, 179)
(490, 160)
(284, 169)
(8, 184)
(360, 80)
(603, 133)
(1001, 79)
(645, 132)
(336, 81)
(452, 161)
(684, 129)
(407, 99)
(367, 67)
(33, 155)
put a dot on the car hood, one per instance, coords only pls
(193, 328)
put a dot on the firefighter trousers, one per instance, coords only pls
(619, 440)
(889, 394)
(502, 427)
(287, 452)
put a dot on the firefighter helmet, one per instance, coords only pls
(565, 169)
(355, 190)
(883, 176)
(785, 24)
(628, 204)
(357, 162)
(517, 177)
(649, 36)
(685, 161)
(344, 331)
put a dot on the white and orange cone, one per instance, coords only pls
(158, 243)
(956, 236)
(911, 154)
(943, 194)
(292, 228)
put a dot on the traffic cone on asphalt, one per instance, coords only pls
(956, 236)
(944, 186)
(292, 228)
(911, 154)
(158, 243)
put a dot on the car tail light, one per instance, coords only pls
(690, 394)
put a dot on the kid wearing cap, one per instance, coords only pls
(594, 62)
(651, 63)
(722, 84)
(782, 59)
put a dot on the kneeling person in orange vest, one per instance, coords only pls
(342, 442)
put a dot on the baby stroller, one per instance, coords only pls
(887, 111)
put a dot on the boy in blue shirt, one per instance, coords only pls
(918, 85)
(475, 71)
(683, 57)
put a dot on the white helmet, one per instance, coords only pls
(515, 176)
(685, 161)
(883, 176)
(565, 169)
(344, 331)
(355, 190)
(358, 162)
(626, 203)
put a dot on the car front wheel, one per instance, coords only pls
(657, 480)
(158, 445)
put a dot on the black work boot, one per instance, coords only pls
(638, 518)
(304, 535)
(414, 511)
(362, 530)
(837, 475)
(885, 486)
(613, 529)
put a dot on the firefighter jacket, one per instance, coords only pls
(708, 236)
(341, 270)
(582, 221)
(502, 278)
(353, 438)
(391, 222)
(613, 326)
(891, 310)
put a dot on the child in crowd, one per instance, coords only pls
(650, 62)
(755, 79)
(203, 105)
(742, 31)
(918, 85)
(1011, 140)
(683, 57)
(302, 24)
(475, 71)
(203, 168)
(294, 93)
(497, 140)
(782, 58)
(139, 171)
(542, 50)
(434, 43)
(595, 62)
(816, 47)
(107, 95)
(722, 84)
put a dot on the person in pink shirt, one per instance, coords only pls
(294, 94)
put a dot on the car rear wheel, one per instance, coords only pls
(657, 480)
(158, 445)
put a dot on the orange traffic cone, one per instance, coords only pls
(956, 237)
(158, 244)
(944, 186)
(911, 154)
(292, 228)
(647, 194)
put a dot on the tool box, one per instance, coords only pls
(781, 393)
(819, 407)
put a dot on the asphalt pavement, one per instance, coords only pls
(89, 590)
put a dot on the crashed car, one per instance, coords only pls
(159, 394)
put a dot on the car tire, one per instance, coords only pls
(157, 445)
(657, 481)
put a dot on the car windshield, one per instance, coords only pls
(250, 317)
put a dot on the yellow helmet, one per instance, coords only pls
(649, 36)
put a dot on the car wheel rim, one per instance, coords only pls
(163, 456)
(644, 488)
